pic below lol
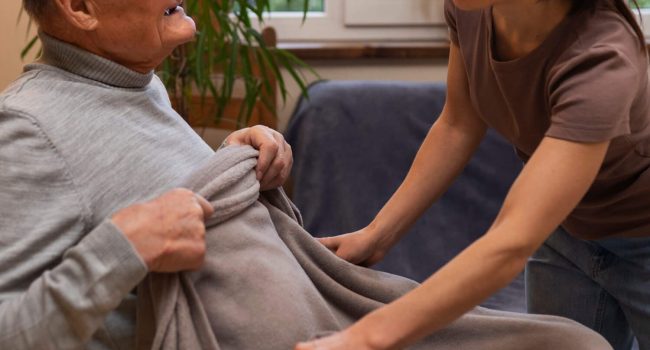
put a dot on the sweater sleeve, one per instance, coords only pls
(59, 278)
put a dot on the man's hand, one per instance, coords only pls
(169, 231)
(275, 160)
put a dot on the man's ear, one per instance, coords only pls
(80, 13)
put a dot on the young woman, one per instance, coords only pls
(566, 83)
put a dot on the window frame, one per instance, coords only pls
(644, 20)
(330, 26)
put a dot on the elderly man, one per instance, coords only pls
(86, 132)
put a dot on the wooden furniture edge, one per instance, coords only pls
(367, 50)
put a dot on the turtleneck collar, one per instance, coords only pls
(88, 65)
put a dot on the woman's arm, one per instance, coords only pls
(447, 148)
(550, 186)
(445, 151)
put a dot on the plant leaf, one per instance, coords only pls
(25, 51)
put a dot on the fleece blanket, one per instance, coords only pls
(267, 284)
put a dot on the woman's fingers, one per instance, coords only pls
(344, 340)
(340, 245)
(330, 243)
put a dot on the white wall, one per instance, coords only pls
(12, 40)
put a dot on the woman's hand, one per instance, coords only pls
(364, 247)
(275, 160)
(344, 340)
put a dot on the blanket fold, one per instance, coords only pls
(267, 284)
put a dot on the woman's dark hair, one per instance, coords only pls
(621, 6)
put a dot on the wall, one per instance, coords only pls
(13, 39)
(390, 69)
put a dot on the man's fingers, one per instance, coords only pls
(262, 139)
(207, 208)
(268, 153)
(238, 137)
(288, 155)
(276, 165)
(275, 158)
(271, 184)
(287, 160)
(277, 181)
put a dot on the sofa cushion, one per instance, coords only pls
(353, 144)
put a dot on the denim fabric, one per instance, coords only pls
(603, 284)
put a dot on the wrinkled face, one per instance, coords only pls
(139, 34)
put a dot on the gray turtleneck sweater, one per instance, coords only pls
(80, 138)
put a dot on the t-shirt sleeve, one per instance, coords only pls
(591, 96)
(450, 18)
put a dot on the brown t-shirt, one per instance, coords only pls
(587, 82)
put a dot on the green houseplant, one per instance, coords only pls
(228, 51)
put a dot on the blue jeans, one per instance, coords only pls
(603, 284)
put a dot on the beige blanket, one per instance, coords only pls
(267, 284)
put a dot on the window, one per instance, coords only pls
(645, 15)
(644, 3)
(359, 20)
(296, 5)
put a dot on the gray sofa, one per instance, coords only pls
(353, 143)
